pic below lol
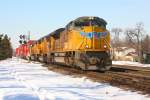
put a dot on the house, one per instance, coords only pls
(124, 54)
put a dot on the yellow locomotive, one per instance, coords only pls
(83, 43)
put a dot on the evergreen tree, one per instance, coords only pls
(2, 55)
(5, 47)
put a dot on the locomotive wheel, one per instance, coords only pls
(102, 65)
(45, 58)
(69, 59)
(52, 60)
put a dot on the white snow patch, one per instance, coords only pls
(130, 63)
(21, 80)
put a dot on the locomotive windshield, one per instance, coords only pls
(90, 21)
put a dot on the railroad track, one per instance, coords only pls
(125, 78)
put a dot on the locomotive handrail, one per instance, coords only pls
(107, 43)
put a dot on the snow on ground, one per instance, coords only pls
(20, 80)
(130, 63)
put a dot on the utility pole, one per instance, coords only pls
(29, 46)
(28, 35)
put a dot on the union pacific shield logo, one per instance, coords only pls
(96, 35)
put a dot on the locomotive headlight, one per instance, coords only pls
(105, 46)
(86, 46)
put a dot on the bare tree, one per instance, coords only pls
(134, 37)
(146, 44)
(130, 38)
(116, 39)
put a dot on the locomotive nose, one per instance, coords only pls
(95, 38)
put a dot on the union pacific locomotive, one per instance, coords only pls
(83, 43)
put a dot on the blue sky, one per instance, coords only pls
(43, 16)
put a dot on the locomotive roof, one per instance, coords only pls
(97, 19)
(86, 19)
(40, 39)
(56, 33)
(47, 36)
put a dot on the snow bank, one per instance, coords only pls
(129, 63)
(20, 80)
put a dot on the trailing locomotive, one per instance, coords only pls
(23, 50)
(83, 43)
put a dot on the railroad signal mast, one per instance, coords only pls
(25, 40)
(29, 46)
